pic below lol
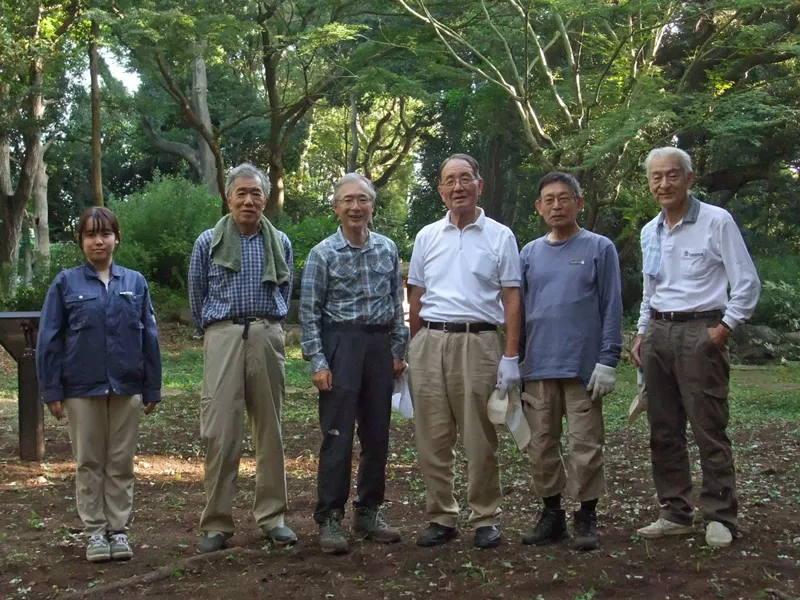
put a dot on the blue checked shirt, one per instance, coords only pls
(346, 284)
(216, 293)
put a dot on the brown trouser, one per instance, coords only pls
(241, 375)
(452, 376)
(546, 403)
(103, 431)
(687, 379)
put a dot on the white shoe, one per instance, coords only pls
(662, 528)
(717, 535)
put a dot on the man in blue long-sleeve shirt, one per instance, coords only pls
(572, 340)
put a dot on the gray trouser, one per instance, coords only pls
(687, 380)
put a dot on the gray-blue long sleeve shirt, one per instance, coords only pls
(572, 302)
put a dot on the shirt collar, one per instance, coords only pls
(90, 271)
(691, 213)
(342, 242)
(480, 222)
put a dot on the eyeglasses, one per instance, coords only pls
(464, 181)
(350, 201)
(550, 200)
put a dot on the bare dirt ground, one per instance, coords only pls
(41, 548)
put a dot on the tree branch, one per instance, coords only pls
(183, 150)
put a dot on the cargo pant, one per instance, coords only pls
(687, 376)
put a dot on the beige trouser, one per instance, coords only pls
(103, 431)
(546, 402)
(243, 375)
(452, 376)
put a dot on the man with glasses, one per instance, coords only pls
(354, 334)
(693, 253)
(572, 341)
(466, 278)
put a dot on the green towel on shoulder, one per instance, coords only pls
(226, 249)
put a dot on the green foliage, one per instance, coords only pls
(779, 306)
(62, 256)
(167, 303)
(159, 226)
(306, 234)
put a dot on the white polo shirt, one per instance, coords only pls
(688, 268)
(463, 271)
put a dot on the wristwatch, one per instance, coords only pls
(725, 325)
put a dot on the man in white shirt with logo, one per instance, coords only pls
(691, 252)
(465, 271)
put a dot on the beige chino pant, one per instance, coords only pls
(452, 376)
(243, 375)
(546, 403)
(103, 431)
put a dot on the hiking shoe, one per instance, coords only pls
(662, 528)
(371, 524)
(718, 535)
(98, 550)
(120, 547)
(550, 529)
(211, 541)
(280, 535)
(436, 535)
(331, 538)
(487, 537)
(585, 530)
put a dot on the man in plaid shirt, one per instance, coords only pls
(354, 335)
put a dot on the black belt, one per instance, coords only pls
(246, 322)
(460, 327)
(363, 327)
(685, 316)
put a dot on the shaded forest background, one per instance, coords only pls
(309, 90)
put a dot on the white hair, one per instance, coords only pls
(669, 152)
(365, 183)
(247, 170)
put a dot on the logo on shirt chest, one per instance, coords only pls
(690, 254)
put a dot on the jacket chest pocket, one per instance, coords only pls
(82, 310)
(381, 273)
(695, 262)
(131, 308)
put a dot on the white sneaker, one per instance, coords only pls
(662, 528)
(717, 535)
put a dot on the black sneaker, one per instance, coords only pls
(331, 538)
(550, 529)
(436, 535)
(371, 524)
(585, 530)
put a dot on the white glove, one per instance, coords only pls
(602, 382)
(508, 373)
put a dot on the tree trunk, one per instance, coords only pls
(208, 167)
(40, 219)
(492, 196)
(276, 172)
(352, 161)
(94, 70)
(305, 167)
(27, 250)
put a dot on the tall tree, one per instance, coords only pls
(97, 154)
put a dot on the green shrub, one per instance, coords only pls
(779, 306)
(306, 234)
(159, 226)
(62, 256)
(167, 303)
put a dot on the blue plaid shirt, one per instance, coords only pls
(216, 293)
(343, 283)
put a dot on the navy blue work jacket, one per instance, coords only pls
(95, 341)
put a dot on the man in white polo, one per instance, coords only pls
(465, 271)
(692, 252)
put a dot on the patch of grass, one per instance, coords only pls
(8, 383)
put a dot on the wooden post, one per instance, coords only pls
(31, 410)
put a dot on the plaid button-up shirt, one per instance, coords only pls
(216, 293)
(346, 284)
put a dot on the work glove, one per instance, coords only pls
(602, 382)
(508, 373)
